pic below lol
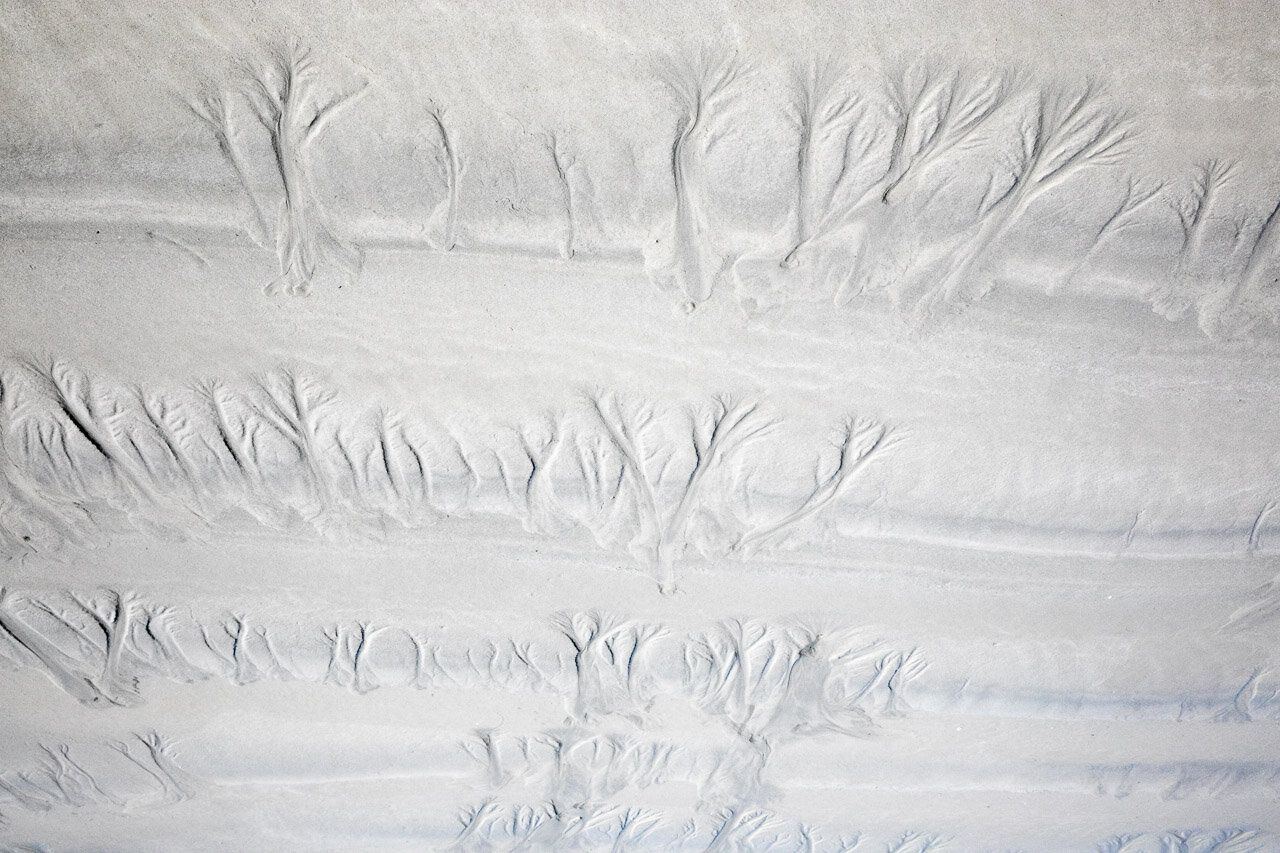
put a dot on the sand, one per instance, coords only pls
(490, 427)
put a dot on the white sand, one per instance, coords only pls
(794, 427)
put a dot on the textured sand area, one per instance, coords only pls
(797, 427)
